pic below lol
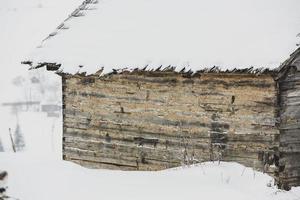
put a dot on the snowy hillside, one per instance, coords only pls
(38, 173)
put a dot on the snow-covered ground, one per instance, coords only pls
(38, 173)
(34, 178)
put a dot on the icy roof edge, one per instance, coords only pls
(186, 72)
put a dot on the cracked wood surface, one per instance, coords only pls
(157, 122)
(142, 122)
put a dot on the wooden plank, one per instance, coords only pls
(168, 120)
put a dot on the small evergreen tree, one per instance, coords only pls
(1, 146)
(19, 139)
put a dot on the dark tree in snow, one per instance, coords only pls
(1, 146)
(3, 177)
(19, 139)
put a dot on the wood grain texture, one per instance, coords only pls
(289, 163)
(159, 120)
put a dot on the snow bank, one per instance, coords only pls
(34, 178)
(190, 33)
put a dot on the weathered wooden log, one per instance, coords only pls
(289, 161)
(157, 120)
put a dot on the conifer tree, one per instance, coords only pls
(19, 139)
(1, 146)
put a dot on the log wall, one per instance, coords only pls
(289, 165)
(154, 121)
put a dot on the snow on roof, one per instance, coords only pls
(117, 34)
(293, 60)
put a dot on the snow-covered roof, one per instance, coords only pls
(195, 34)
(293, 60)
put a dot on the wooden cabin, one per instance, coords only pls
(288, 84)
(146, 118)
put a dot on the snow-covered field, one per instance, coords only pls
(35, 178)
(38, 173)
